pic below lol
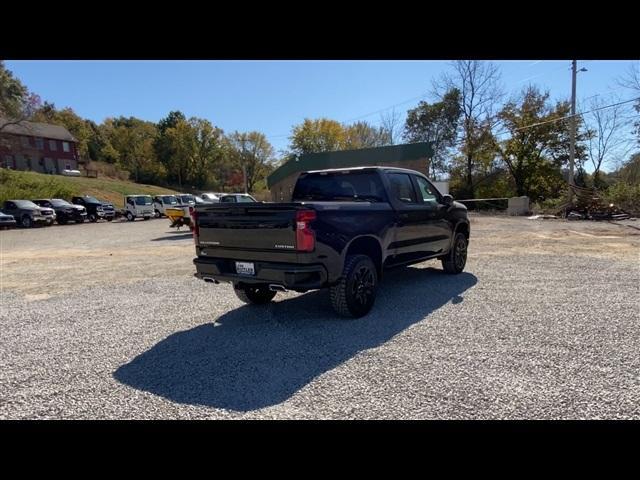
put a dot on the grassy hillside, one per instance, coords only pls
(30, 185)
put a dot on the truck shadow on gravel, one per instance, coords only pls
(176, 236)
(255, 357)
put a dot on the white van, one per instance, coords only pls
(160, 202)
(138, 206)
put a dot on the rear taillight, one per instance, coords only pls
(305, 238)
(195, 228)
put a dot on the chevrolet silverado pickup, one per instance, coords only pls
(341, 230)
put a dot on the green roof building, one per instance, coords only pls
(414, 156)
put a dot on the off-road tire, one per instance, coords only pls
(130, 217)
(456, 260)
(255, 295)
(355, 294)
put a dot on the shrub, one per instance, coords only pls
(624, 196)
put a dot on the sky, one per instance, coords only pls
(273, 96)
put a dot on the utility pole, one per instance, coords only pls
(244, 175)
(572, 145)
(574, 123)
(244, 164)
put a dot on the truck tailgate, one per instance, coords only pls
(249, 227)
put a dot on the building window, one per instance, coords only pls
(39, 143)
(25, 142)
(8, 161)
(53, 145)
(65, 146)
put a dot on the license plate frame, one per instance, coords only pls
(245, 268)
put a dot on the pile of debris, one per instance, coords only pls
(588, 204)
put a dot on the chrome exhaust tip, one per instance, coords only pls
(277, 288)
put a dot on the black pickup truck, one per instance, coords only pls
(95, 208)
(341, 230)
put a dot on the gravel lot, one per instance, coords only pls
(106, 321)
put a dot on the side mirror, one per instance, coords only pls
(447, 200)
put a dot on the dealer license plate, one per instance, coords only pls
(245, 268)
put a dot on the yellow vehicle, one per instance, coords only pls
(179, 216)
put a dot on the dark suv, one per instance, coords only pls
(65, 211)
(27, 214)
(95, 208)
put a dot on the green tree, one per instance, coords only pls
(436, 123)
(208, 151)
(13, 96)
(538, 146)
(163, 145)
(180, 142)
(478, 84)
(363, 135)
(252, 154)
(321, 135)
(131, 141)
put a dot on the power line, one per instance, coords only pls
(416, 98)
(578, 114)
(366, 114)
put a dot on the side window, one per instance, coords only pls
(402, 188)
(427, 191)
(229, 199)
(10, 205)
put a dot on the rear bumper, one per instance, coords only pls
(291, 276)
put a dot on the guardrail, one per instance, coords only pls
(478, 204)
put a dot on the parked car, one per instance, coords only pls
(96, 209)
(7, 221)
(161, 202)
(138, 206)
(342, 229)
(27, 214)
(237, 198)
(71, 173)
(185, 199)
(65, 211)
(211, 197)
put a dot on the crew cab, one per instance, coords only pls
(341, 230)
(65, 211)
(96, 209)
(27, 214)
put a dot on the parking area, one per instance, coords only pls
(106, 321)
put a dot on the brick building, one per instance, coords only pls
(414, 156)
(39, 147)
